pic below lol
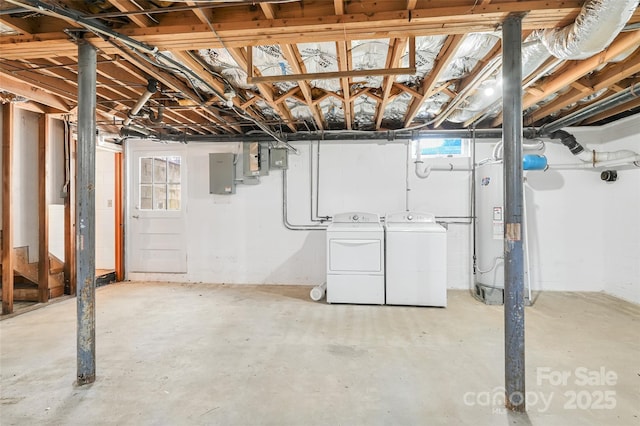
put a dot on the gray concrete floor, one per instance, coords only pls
(180, 354)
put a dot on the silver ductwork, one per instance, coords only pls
(598, 23)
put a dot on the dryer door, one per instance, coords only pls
(355, 255)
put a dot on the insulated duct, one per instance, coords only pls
(597, 24)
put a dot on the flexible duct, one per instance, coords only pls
(597, 24)
(533, 56)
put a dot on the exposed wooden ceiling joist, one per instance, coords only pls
(447, 52)
(359, 26)
(194, 96)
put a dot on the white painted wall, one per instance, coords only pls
(105, 209)
(621, 219)
(584, 233)
(25, 182)
(241, 239)
(56, 162)
(577, 241)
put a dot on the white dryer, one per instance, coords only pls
(416, 260)
(355, 259)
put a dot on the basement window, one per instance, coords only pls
(160, 183)
(431, 147)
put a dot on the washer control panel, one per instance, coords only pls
(410, 217)
(356, 217)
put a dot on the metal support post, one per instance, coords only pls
(513, 202)
(85, 213)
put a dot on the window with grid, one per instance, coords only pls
(160, 183)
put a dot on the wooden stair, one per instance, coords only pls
(25, 285)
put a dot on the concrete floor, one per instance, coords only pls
(180, 354)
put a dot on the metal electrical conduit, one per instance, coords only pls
(285, 218)
(619, 98)
(445, 220)
(317, 217)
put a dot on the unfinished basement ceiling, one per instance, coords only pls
(225, 68)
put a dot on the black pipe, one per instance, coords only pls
(568, 140)
(346, 136)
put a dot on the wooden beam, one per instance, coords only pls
(344, 54)
(166, 79)
(411, 4)
(43, 210)
(268, 10)
(203, 15)
(331, 75)
(445, 56)
(119, 216)
(8, 118)
(292, 56)
(22, 26)
(240, 56)
(407, 89)
(289, 93)
(577, 69)
(396, 49)
(194, 62)
(589, 85)
(241, 32)
(338, 6)
(18, 87)
(128, 6)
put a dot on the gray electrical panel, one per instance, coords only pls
(279, 158)
(222, 173)
(255, 159)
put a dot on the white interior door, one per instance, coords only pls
(156, 237)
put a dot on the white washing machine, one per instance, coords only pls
(355, 259)
(416, 260)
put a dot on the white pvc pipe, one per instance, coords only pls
(317, 293)
(137, 107)
(609, 163)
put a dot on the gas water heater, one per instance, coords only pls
(489, 241)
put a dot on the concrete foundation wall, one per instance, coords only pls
(583, 232)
